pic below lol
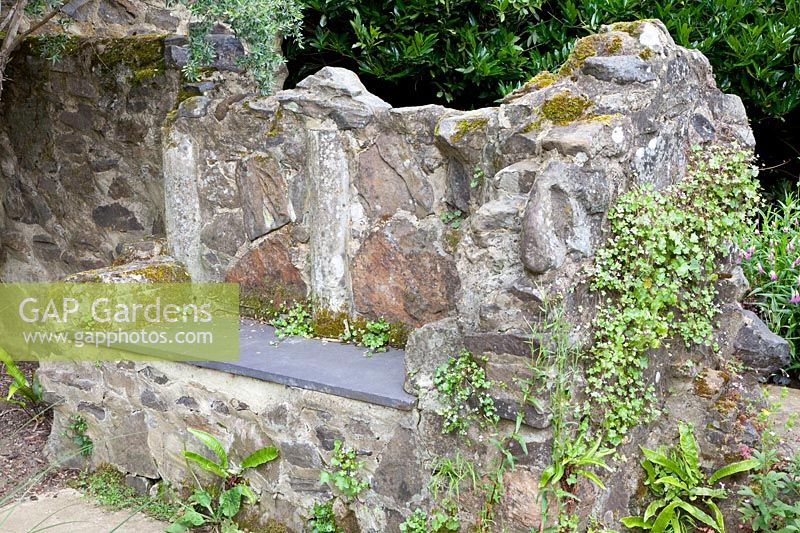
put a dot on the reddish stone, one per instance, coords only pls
(267, 269)
(399, 274)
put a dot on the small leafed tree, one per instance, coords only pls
(259, 24)
(36, 13)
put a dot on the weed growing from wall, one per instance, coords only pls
(655, 278)
(345, 474)
(684, 497)
(76, 431)
(462, 390)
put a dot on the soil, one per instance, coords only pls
(22, 439)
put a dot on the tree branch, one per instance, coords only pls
(41, 23)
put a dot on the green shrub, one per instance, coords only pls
(470, 52)
(770, 254)
(256, 22)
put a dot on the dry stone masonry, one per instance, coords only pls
(455, 223)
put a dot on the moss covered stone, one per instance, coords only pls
(469, 126)
(584, 48)
(646, 53)
(564, 108)
(614, 45)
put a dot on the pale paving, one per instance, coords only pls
(68, 511)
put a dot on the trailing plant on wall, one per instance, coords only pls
(462, 386)
(655, 278)
(770, 254)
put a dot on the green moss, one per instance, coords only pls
(469, 126)
(603, 118)
(586, 47)
(329, 324)
(275, 128)
(136, 52)
(646, 53)
(631, 28)
(564, 108)
(533, 125)
(265, 302)
(614, 45)
(451, 239)
(162, 273)
(540, 81)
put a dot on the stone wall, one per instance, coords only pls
(138, 415)
(80, 155)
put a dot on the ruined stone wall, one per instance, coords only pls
(417, 214)
(452, 222)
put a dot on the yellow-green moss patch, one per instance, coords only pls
(564, 108)
(646, 53)
(614, 45)
(469, 126)
(540, 81)
(586, 47)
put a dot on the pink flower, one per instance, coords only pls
(790, 246)
(796, 262)
(773, 276)
(760, 268)
(795, 299)
(745, 451)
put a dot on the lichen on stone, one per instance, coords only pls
(646, 53)
(632, 27)
(564, 108)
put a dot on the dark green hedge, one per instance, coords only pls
(469, 53)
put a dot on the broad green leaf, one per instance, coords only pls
(673, 482)
(733, 468)
(654, 506)
(205, 464)
(591, 476)
(203, 498)
(213, 444)
(191, 518)
(717, 515)
(230, 501)
(697, 514)
(636, 521)
(259, 457)
(689, 449)
(664, 518)
(176, 527)
(707, 492)
(662, 460)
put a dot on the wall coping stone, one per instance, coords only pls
(325, 366)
